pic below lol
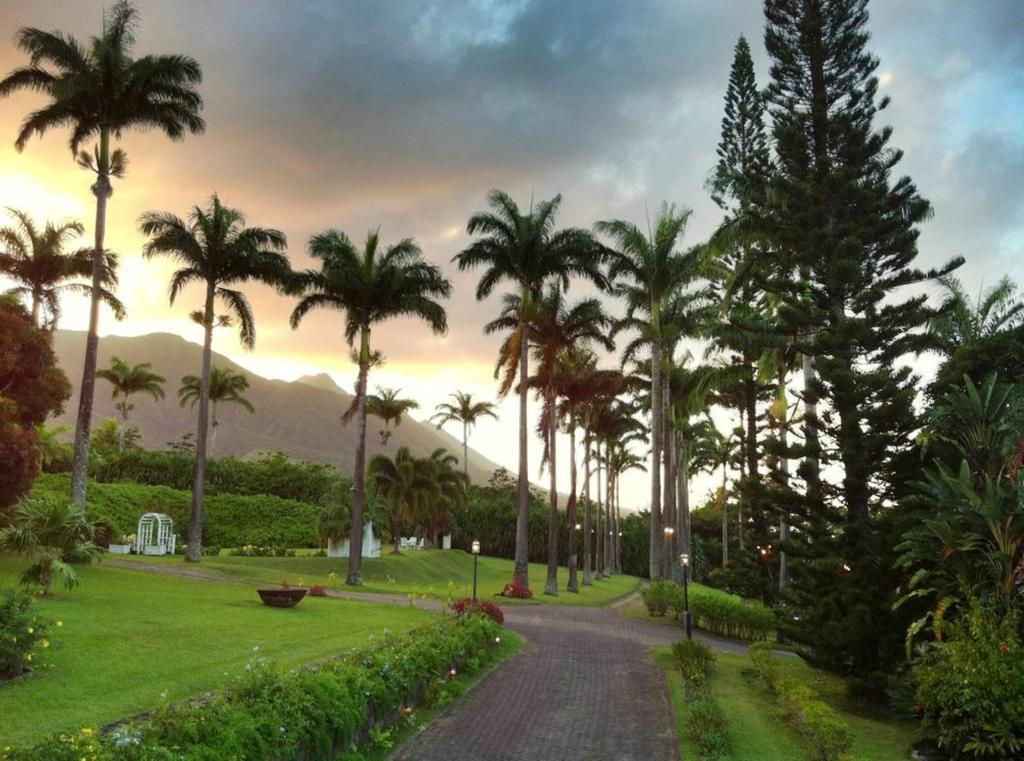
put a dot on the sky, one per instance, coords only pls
(402, 115)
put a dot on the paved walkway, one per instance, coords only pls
(583, 688)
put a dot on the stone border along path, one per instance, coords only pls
(582, 689)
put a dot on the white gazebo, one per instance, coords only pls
(155, 535)
(371, 545)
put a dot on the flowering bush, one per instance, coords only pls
(317, 591)
(484, 607)
(300, 713)
(517, 590)
(22, 634)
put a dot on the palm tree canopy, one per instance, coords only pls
(388, 406)
(226, 386)
(100, 86)
(526, 250)
(463, 410)
(36, 260)
(214, 247)
(961, 323)
(372, 285)
(127, 380)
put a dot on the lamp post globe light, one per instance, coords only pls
(476, 556)
(684, 561)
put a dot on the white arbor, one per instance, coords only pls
(155, 535)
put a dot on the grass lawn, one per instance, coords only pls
(429, 573)
(756, 728)
(131, 641)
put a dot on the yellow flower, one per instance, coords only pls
(60, 623)
(28, 657)
(88, 731)
(45, 643)
(31, 630)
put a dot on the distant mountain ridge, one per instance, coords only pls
(299, 418)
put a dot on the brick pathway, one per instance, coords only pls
(583, 689)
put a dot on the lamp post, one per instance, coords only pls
(684, 561)
(476, 557)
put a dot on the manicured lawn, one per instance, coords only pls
(429, 573)
(756, 728)
(132, 641)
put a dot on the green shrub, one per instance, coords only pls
(319, 712)
(824, 734)
(971, 687)
(229, 520)
(22, 634)
(694, 659)
(712, 610)
(708, 729)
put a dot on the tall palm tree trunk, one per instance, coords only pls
(195, 527)
(683, 527)
(609, 555)
(80, 462)
(213, 430)
(37, 305)
(522, 566)
(656, 538)
(465, 450)
(725, 515)
(570, 508)
(355, 532)
(587, 560)
(618, 529)
(669, 489)
(551, 584)
(599, 505)
(124, 426)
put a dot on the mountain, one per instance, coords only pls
(300, 418)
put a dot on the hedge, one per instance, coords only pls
(314, 714)
(229, 520)
(707, 727)
(712, 610)
(824, 734)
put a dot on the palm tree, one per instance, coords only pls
(554, 328)
(225, 387)
(389, 407)
(56, 535)
(215, 248)
(101, 90)
(370, 286)
(128, 380)
(403, 483)
(646, 271)
(713, 450)
(961, 323)
(526, 251)
(35, 259)
(445, 488)
(467, 412)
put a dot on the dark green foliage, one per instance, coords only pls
(713, 610)
(971, 687)
(22, 634)
(1001, 354)
(844, 234)
(317, 713)
(708, 728)
(272, 474)
(230, 520)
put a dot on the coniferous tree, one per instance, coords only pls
(838, 218)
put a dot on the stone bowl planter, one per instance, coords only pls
(119, 549)
(282, 598)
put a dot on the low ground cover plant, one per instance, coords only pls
(23, 634)
(314, 713)
(824, 734)
(713, 610)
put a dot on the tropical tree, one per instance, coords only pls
(390, 408)
(56, 535)
(225, 387)
(554, 328)
(216, 249)
(526, 251)
(467, 412)
(100, 90)
(403, 482)
(110, 436)
(370, 286)
(35, 259)
(126, 381)
(961, 323)
(646, 271)
(714, 450)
